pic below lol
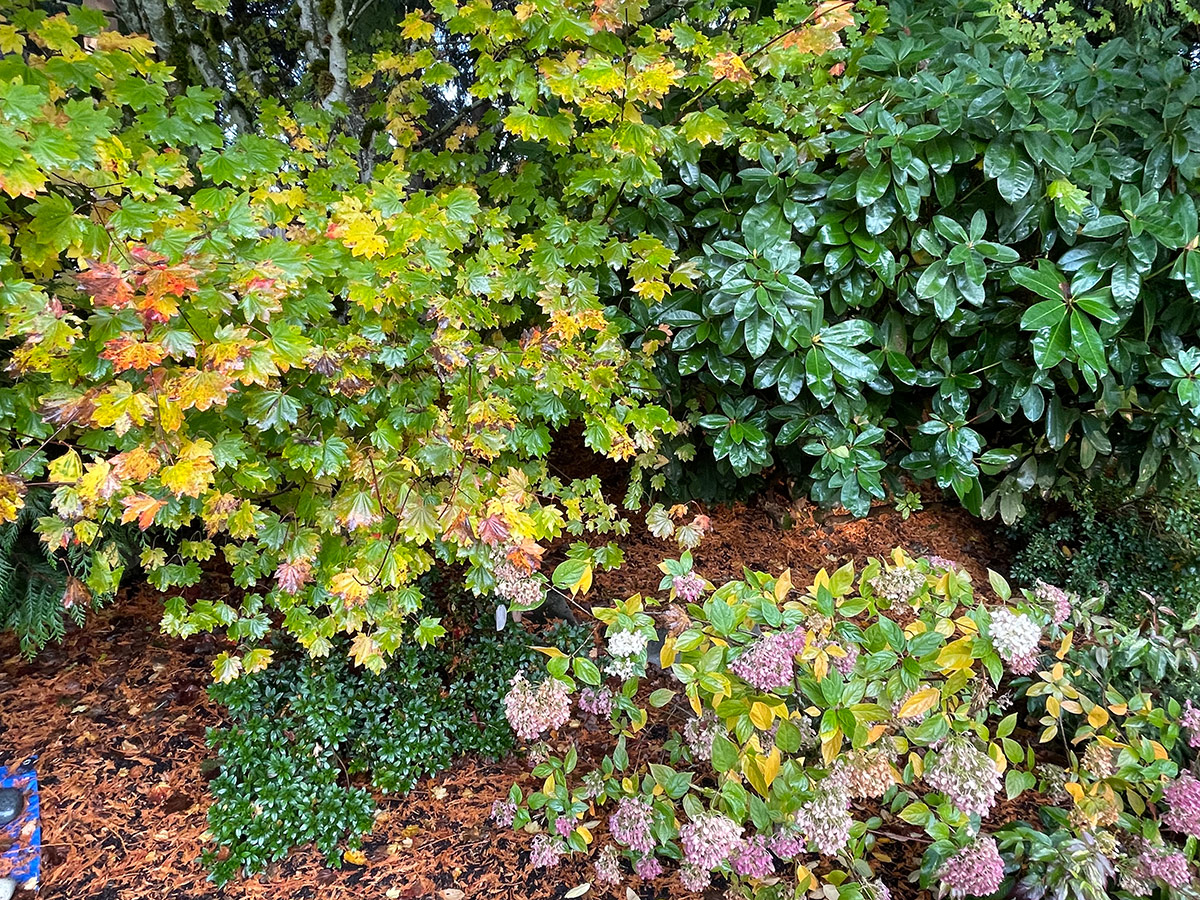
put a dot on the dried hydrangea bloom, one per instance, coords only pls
(698, 734)
(824, 820)
(1099, 760)
(631, 824)
(710, 839)
(608, 866)
(531, 711)
(693, 878)
(547, 852)
(869, 772)
(503, 812)
(966, 775)
(974, 871)
(898, 585)
(1183, 795)
(769, 663)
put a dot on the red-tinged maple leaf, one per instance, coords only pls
(177, 280)
(147, 257)
(493, 530)
(141, 507)
(731, 67)
(106, 285)
(127, 353)
(157, 310)
(292, 576)
(527, 556)
(459, 530)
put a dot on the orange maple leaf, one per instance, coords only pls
(527, 556)
(141, 507)
(730, 66)
(137, 464)
(107, 285)
(127, 353)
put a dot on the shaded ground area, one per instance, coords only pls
(118, 714)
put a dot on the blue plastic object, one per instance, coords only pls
(21, 839)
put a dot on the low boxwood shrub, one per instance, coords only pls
(804, 724)
(1141, 554)
(309, 740)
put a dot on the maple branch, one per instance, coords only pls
(808, 20)
(445, 129)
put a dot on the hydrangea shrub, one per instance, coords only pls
(804, 723)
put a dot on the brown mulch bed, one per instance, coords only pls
(118, 714)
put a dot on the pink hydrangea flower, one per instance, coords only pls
(597, 701)
(786, 845)
(1058, 600)
(965, 774)
(1183, 795)
(688, 587)
(753, 860)
(531, 711)
(631, 823)
(769, 663)
(710, 839)
(974, 871)
(845, 664)
(1172, 869)
(547, 852)
(1191, 721)
(648, 868)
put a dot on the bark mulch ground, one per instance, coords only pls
(118, 714)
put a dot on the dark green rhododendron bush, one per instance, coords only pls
(989, 280)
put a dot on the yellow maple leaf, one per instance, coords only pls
(192, 474)
(349, 587)
(137, 464)
(12, 498)
(731, 67)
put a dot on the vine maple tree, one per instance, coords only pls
(244, 342)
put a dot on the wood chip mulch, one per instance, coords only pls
(118, 714)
